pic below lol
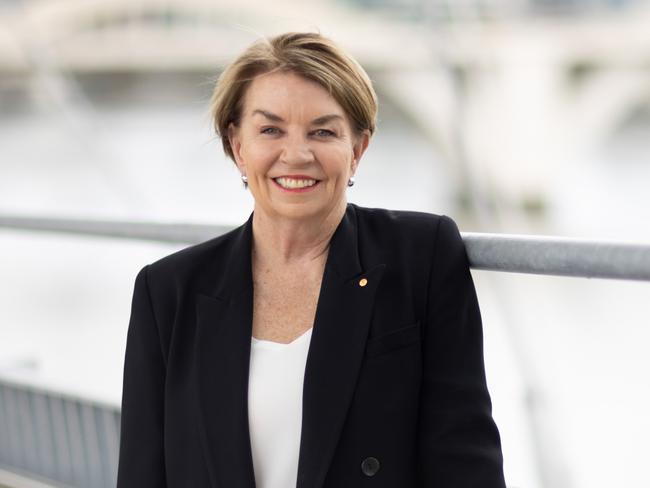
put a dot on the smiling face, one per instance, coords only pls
(295, 144)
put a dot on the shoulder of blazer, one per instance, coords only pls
(174, 280)
(178, 276)
(381, 232)
(419, 244)
(405, 232)
(192, 257)
(388, 220)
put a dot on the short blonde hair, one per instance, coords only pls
(310, 55)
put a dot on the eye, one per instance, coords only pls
(270, 131)
(324, 133)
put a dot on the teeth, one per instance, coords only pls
(291, 183)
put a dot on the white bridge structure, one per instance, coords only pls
(507, 97)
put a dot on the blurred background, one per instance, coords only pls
(511, 116)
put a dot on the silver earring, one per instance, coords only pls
(244, 179)
(351, 181)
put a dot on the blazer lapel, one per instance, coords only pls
(341, 326)
(224, 329)
(336, 350)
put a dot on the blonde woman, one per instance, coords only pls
(321, 344)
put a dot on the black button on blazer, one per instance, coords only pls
(394, 394)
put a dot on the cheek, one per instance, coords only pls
(258, 155)
(336, 161)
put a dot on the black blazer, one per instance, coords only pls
(394, 392)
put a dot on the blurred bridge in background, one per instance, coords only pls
(449, 65)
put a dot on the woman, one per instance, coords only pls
(320, 344)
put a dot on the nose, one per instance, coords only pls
(296, 150)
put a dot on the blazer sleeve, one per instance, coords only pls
(459, 444)
(141, 458)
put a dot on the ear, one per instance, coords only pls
(360, 145)
(234, 137)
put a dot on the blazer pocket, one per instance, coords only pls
(395, 339)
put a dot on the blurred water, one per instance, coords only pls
(65, 301)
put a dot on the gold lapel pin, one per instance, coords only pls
(363, 282)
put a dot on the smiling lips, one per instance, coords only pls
(296, 183)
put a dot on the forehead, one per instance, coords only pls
(289, 94)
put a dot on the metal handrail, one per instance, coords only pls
(560, 256)
(180, 233)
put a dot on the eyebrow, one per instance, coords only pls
(268, 115)
(323, 119)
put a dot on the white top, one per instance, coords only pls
(275, 383)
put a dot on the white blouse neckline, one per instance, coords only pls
(279, 345)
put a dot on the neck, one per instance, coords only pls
(293, 241)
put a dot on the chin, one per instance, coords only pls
(302, 211)
(299, 213)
